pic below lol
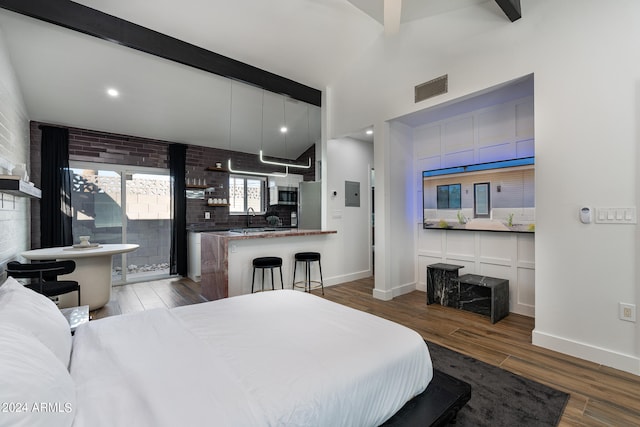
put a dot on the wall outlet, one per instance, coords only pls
(627, 312)
(207, 215)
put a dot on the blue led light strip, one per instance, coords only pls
(525, 161)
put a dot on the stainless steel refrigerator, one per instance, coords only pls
(310, 205)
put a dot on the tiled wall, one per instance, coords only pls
(101, 147)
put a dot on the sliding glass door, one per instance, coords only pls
(125, 204)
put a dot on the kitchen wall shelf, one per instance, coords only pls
(198, 187)
(13, 185)
(214, 169)
(218, 205)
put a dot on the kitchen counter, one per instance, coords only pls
(266, 233)
(206, 228)
(226, 256)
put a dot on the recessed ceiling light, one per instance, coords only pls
(369, 132)
(283, 129)
(112, 92)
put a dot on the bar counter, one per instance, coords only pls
(226, 256)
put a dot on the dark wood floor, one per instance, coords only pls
(600, 396)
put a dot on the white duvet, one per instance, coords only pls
(282, 358)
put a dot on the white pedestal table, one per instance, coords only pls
(93, 270)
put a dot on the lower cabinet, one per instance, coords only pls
(193, 256)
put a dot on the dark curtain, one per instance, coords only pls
(177, 160)
(55, 205)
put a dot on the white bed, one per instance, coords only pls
(283, 358)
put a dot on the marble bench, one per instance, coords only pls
(483, 295)
(441, 288)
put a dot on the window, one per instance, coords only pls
(246, 192)
(449, 196)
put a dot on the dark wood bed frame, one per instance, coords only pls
(438, 405)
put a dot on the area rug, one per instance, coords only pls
(498, 397)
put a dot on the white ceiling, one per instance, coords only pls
(414, 9)
(64, 74)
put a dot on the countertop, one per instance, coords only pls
(205, 228)
(262, 233)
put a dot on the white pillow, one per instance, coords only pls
(35, 387)
(37, 314)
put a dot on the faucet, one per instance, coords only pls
(253, 213)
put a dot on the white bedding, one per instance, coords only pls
(282, 358)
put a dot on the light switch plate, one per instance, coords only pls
(623, 215)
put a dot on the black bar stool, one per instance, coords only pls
(307, 258)
(269, 262)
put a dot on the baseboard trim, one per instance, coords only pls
(603, 356)
(389, 294)
(404, 289)
(384, 295)
(336, 280)
(525, 310)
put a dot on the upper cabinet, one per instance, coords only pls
(291, 180)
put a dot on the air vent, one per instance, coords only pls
(437, 86)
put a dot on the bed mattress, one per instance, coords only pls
(280, 358)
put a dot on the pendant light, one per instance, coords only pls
(284, 131)
(244, 172)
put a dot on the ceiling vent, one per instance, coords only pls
(437, 86)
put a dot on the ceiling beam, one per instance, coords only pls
(511, 8)
(77, 17)
(392, 16)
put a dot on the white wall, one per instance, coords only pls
(14, 149)
(401, 220)
(587, 94)
(349, 258)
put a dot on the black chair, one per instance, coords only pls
(270, 262)
(307, 258)
(45, 275)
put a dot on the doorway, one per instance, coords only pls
(125, 204)
(481, 200)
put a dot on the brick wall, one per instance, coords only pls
(108, 148)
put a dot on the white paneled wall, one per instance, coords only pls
(493, 133)
(496, 254)
(499, 132)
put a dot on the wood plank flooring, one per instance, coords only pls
(600, 396)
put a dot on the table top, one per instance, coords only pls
(446, 267)
(69, 252)
(479, 280)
